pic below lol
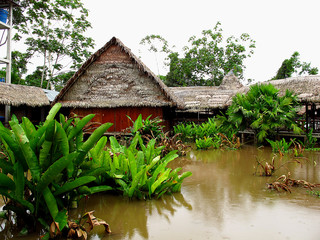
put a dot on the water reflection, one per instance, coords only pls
(223, 199)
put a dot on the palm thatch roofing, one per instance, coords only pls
(114, 77)
(201, 98)
(18, 95)
(307, 88)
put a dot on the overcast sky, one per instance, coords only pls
(279, 27)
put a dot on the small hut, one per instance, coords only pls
(113, 84)
(201, 102)
(26, 101)
(307, 89)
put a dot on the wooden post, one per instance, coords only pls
(307, 118)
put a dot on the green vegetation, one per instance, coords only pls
(281, 146)
(263, 110)
(54, 31)
(207, 60)
(207, 135)
(48, 169)
(139, 170)
(293, 65)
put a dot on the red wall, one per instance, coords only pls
(118, 116)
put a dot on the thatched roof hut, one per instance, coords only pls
(20, 95)
(201, 98)
(113, 84)
(114, 77)
(306, 87)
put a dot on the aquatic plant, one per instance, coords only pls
(232, 143)
(285, 182)
(171, 144)
(268, 168)
(149, 127)
(185, 131)
(310, 141)
(204, 143)
(281, 146)
(42, 173)
(137, 170)
(191, 131)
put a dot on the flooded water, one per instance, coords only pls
(223, 199)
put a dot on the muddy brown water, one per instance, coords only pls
(223, 199)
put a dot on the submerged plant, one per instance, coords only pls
(311, 140)
(285, 182)
(268, 168)
(138, 170)
(233, 143)
(281, 146)
(43, 170)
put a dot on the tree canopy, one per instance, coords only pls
(294, 65)
(53, 33)
(207, 60)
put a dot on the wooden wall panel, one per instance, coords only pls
(118, 116)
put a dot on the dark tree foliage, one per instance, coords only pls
(294, 65)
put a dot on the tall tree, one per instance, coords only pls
(208, 58)
(54, 31)
(294, 65)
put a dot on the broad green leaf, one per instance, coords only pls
(79, 126)
(28, 128)
(62, 219)
(135, 182)
(102, 188)
(163, 176)
(69, 186)
(19, 180)
(54, 170)
(6, 182)
(14, 148)
(61, 140)
(132, 164)
(93, 139)
(44, 158)
(6, 166)
(51, 202)
(27, 151)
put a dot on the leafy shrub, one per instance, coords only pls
(43, 171)
(138, 170)
(263, 110)
(150, 127)
(281, 146)
(191, 131)
(311, 141)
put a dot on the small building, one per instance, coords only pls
(24, 101)
(307, 88)
(202, 102)
(113, 84)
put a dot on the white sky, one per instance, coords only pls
(279, 27)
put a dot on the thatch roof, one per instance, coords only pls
(306, 87)
(17, 95)
(200, 98)
(6, 3)
(114, 77)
